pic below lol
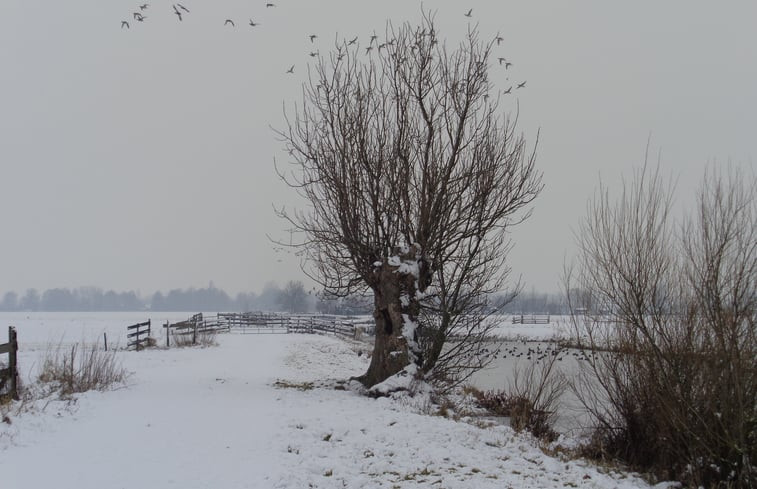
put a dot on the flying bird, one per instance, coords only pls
(176, 11)
(254, 24)
(521, 85)
(312, 37)
(508, 64)
(229, 21)
(352, 41)
(470, 13)
(368, 49)
(144, 6)
(499, 39)
(313, 54)
(269, 4)
(508, 90)
(185, 9)
(136, 15)
(374, 37)
(501, 60)
(124, 24)
(291, 69)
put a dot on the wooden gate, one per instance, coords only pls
(9, 375)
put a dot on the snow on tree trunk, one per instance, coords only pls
(395, 311)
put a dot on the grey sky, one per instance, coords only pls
(143, 158)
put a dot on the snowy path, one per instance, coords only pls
(210, 418)
(191, 418)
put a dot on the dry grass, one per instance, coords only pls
(81, 368)
(531, 399)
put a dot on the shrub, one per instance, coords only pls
(677, 395)
(531, 400)
(81, 368)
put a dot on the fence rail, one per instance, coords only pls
(9, 374)
(265, 323)
(138, 335)
(531, 319)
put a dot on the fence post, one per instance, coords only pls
(149, 328)
(168, 335)
(105, 340)
(12, 358)
(194, 334)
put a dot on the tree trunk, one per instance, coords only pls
(395, 312)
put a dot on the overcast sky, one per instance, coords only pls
(143, 158)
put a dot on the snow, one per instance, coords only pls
(404, 267)
(262, 411)
(402, 380)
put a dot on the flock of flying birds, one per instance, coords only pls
(180, 11)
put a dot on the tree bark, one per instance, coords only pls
(395, 312)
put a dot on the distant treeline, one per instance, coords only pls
(532, 302)
(293, 297)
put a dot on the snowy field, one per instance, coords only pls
(216, 418)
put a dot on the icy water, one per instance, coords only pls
(499, 375)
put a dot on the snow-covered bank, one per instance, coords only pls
(215, 418)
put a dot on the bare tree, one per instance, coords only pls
(293, 297)
(675, 308)
(413, 179)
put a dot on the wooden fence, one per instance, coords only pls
(531, 319)
(9, 375)
(195, 325)
(138, 335)
(264, 323)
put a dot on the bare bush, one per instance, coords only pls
(531, 399)
(677, 392)
(81, 368)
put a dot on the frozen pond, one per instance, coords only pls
(513, 355)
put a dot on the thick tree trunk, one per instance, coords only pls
(395, 311)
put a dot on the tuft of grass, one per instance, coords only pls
(300, 386)
(81, 368)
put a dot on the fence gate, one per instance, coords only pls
(138, 335)
(9, 375)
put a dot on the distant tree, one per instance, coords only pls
(30, 301)
(414, 179)
(158, 302)
(58, 299)
(130, 301)
(90, 298)
(269, 298)
(10, 301)
(293, 297)
(245, 301)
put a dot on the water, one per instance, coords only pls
(571, 417)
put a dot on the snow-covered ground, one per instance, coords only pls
(242, 415)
